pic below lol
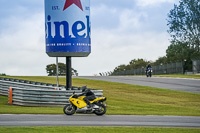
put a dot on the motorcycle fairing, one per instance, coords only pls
(98, 99)
(80, 103)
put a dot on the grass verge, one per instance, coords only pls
(121, 99)
(96, 130)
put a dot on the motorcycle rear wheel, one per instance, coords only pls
(69, 109)
(100, 111)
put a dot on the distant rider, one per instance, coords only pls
(89, 96)
(148, 67)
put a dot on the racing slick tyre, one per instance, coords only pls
(69, 109)
(101, 110)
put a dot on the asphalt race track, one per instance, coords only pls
(93, 120)
(178, 84)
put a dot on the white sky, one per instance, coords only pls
(121, 30)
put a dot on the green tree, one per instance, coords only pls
(137, 63)
(160, 60)
(120, 68)
(51, 70)
(184, 25)
(133, 64)
(180, 52)
(2, 74)
(61, 69)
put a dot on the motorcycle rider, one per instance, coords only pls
(148, 67)
(89, 96)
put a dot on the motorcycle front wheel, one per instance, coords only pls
(69, 109)
(101, 110)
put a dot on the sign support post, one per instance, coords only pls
(68, 73)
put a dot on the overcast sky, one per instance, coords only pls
(121, 30)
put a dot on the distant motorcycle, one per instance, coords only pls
(149, 72)
(77, 104)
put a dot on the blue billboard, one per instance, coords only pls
(67, 28)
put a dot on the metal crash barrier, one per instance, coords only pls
(43, 95)
(5, 83)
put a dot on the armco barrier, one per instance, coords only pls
(35, 97)
(4, 86)
(5, 83)
(25, 94)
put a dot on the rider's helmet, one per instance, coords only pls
(84, 88)
(149, 65)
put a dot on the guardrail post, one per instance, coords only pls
(10, 95)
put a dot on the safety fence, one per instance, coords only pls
(26, 94)
(196, 65)
(173, 68)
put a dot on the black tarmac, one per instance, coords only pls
(93, 120)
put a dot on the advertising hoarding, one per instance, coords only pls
(67, 28)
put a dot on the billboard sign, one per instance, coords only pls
(67, 28)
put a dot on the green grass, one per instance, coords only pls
(96, 130)
(139, 100)
(12, 109)
(121, 99)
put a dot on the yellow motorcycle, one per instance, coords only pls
(78, 105)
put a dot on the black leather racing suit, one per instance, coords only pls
(89, 96)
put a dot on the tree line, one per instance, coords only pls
(183, 23)
(51, 70)
(3, 74)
